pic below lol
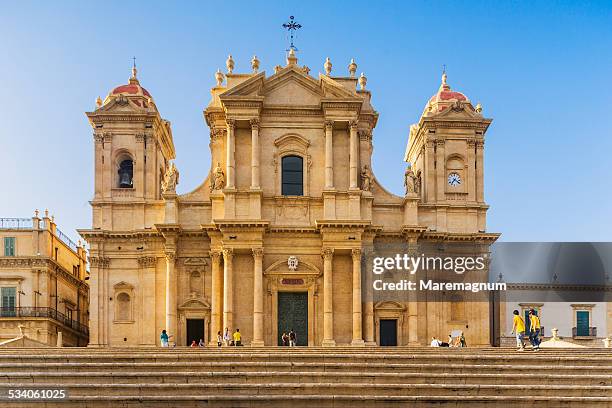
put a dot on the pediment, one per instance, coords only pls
(123, 285)
(281, 267)
(334, 90)
(120, 104)
(389, 305)
(195, 304)
(459, 111)
(249, 88)
(292, 87)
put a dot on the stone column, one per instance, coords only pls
(255, 154)
(328, 311)
(230, 150)
(357, 322)
(353, 155)
(369, 304)
(171, 294)
(258, 329)
(228, 290)
(329, 155)
(215, 307)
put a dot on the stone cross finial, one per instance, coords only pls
(327, 66)
(219, 77)
(255, 64)
(352, 68)
(229, 63)
(362, 81)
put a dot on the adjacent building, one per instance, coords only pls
(43, 283)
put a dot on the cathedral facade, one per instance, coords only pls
(273, 239)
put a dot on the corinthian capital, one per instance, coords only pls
(327, 253)
(170, 255)
(329, 125)
(356, 253)
(353, 125)
(254, 123)
(228, 254)
(215, 255)
(258, 253)
(231, 123)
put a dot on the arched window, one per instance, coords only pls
(292, 175)
(124, 310)
(126, 174)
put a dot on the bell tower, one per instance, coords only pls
(446, 153)
(133, 149)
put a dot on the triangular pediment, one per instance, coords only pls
(121, 104)
(332, 89)
(459, 110)
(292, 86)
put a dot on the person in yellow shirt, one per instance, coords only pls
(237, 338)
(534, 330)
(518, 327)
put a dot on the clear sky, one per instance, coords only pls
(540, 69)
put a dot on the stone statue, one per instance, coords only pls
(417, 183)
(171, 179)
(366, 178)
(409, 181)
(218, 179)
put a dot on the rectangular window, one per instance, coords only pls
(292, 176)
(7, 298)
(9, 246)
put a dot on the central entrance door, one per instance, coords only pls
(388, 332)
(195, 330)
(293, 314)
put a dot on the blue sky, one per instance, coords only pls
(540, 69)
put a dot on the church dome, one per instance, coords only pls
(131, 89)
(444, 98)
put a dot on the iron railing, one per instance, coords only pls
(592, 332)
(64, 238)
(16, 223)
(44, 312)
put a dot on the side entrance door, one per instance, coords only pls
(388, 332)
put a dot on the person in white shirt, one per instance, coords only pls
(435, 342)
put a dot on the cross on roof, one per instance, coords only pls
(292, 26)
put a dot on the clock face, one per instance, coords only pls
(454, 179)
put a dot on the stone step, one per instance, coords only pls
(334, 389)
(524, 378)
(513, 358)
(288, 366)
(322, 401)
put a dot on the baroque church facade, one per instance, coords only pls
(273, 239)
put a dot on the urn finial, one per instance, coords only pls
(363, 80)
(229, 63)
(219, 77)
(352, 68)
(327, 66)
(255, 64)
(98, 102)
(478, 108)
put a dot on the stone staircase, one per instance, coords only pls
(319, 377)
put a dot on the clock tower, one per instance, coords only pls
(446, 153)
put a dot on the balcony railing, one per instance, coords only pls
(16, 223)
(592, 332)
(44, 312)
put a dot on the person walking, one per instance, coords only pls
(292, 338)
(518, 328)
(219, 339)
(164, 338)
(534, 330)
(201, 343)
(226, 337)
(285, 339)
(237, 338)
